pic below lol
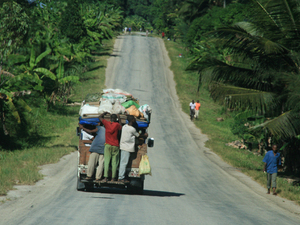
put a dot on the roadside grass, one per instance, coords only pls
(57, 132)
(219, 133)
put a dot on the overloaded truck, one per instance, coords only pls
(114, 101)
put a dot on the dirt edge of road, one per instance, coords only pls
(24, 197)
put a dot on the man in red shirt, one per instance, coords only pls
(111, 150)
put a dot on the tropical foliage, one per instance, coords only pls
(44, 51)
(254, 66)
(248, 54)
(246, 51)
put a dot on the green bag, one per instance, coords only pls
(144, 167)
(130, 103)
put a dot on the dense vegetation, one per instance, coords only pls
(44, 51)
(246, 53)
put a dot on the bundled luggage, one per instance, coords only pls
(114, 101)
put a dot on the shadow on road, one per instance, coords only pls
(125, 192)
(114, 55)
(162, 193)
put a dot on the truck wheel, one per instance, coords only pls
(136, 187)
(89, 187)
(80, 185)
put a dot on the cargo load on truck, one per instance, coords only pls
(122, 103)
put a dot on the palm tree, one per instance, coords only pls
(191, 10)
(257, 67)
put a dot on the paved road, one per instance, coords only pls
(190, 185)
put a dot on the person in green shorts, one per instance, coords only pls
(111, 150)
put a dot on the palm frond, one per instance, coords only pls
(285, 125)
(243, 98)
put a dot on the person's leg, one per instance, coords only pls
(92, 164)
(268, 182)
(196, 114)
(274, 176)
(107, 157)
(123, 163)
(115, 161)
(100, 167)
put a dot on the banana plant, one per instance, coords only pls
(57, 81)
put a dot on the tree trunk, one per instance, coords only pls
(3, 119)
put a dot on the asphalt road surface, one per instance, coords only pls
(189, 185)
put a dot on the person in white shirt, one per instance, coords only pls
(127, 144)
(87, 132)
(192, 109)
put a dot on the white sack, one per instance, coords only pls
(105, 106)
(113, 97)
(145, 109)
(118, 108)
(87, 109)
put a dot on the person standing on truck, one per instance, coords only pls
(111, 150)
(97, 152)
(127, 143)
(197, 108)
(192, 109)
(87, 135)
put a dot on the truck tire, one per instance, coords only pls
(136, 186)
(80, 185)
(89, 187)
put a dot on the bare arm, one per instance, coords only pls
(265, 165)
(101, 117)
(145, 135)
(88, 130)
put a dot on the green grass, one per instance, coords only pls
(219, 133)
(57, 132)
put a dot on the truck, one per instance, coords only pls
(136, 180)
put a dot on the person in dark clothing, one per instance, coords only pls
(97, 152)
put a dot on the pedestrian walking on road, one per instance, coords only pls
(111, 150)
(272, 160)
(146, 33)
(197, 108)
(192, 109)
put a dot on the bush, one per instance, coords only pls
(71, 23)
